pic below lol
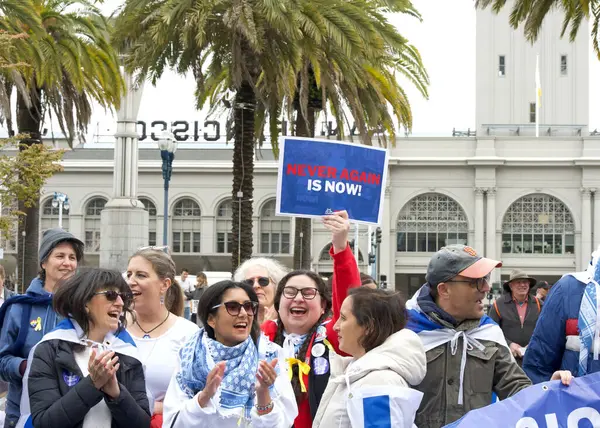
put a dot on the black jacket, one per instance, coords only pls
(504, 312)
(55, 404)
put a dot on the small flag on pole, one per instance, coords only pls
(538, 96)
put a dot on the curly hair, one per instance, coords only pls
(325, 294)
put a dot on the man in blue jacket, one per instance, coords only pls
(564, 335)
(26, 318)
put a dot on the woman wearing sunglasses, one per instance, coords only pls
(229, 375)
(305, 329)
(158, 328)
(263, 274)
(86, 373)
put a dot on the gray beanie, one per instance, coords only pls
(51, 238)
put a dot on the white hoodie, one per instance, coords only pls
(399, 362)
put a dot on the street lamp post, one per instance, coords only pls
(60, 201)
(168, 146)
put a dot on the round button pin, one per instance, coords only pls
(318, 350)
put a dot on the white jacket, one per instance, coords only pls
(180, 411)
(399, 362)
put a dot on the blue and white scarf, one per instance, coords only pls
(199, 356)
(589, 327)
(433, 334)
(69, 331)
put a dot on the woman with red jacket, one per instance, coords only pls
(304, 328)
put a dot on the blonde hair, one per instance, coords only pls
(164, 267)
(275, 269)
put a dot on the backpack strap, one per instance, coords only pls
(497, 311)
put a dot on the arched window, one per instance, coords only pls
(151, 208)
(325, 257)
(274, 231)
(429, 222)
(538, 224)
(186, 226)
(93, 225)
(49, 217)
(224, 214)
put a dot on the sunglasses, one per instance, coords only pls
(164, 248)
(234, 308)
(263, 281)
(308, 293)
(479, 283)
(111, 295)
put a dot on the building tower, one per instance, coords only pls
(506, 84)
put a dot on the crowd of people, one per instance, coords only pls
(275, 348)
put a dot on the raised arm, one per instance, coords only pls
(345, 270)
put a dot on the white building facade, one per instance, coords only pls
(533, 203)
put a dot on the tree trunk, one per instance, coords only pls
(305, 127)
(28, 122)
(243, 174)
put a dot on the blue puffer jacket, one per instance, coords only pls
(548, 350)
(42, 319)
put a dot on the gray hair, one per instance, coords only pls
(275, 269)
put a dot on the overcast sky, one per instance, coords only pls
(446, 40)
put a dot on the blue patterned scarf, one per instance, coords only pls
(200, 354)
(588, 316)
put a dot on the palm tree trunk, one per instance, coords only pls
(29, 119)
(305, 127)
(243, 174)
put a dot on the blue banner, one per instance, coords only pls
(545, 405)
(317, 177)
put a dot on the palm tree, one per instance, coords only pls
(533, 12)
(72, 64)
(369, 94)
(246, 48)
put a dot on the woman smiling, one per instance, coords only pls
(227, 372)
(86, 373)
(304, 328)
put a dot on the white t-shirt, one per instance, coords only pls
(187, 285)
(159, 355)
(99, 416)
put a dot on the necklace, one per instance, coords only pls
(147, 333)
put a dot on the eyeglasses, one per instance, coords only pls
(308, 293)
(479, 283)
(263, 281)
(234, 308)
(111, 295)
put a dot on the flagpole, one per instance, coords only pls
(538, 94)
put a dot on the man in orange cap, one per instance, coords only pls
(467, 355)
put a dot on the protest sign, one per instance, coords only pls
(317, 177)
(545, 405)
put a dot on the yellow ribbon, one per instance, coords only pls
(326, 342)
(38, 326)
(303, 369)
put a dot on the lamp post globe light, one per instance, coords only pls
(60, 201)
(168, 146)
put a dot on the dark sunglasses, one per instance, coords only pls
(308, 293)
(234, 308)
(263, 281)
(111, 295)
